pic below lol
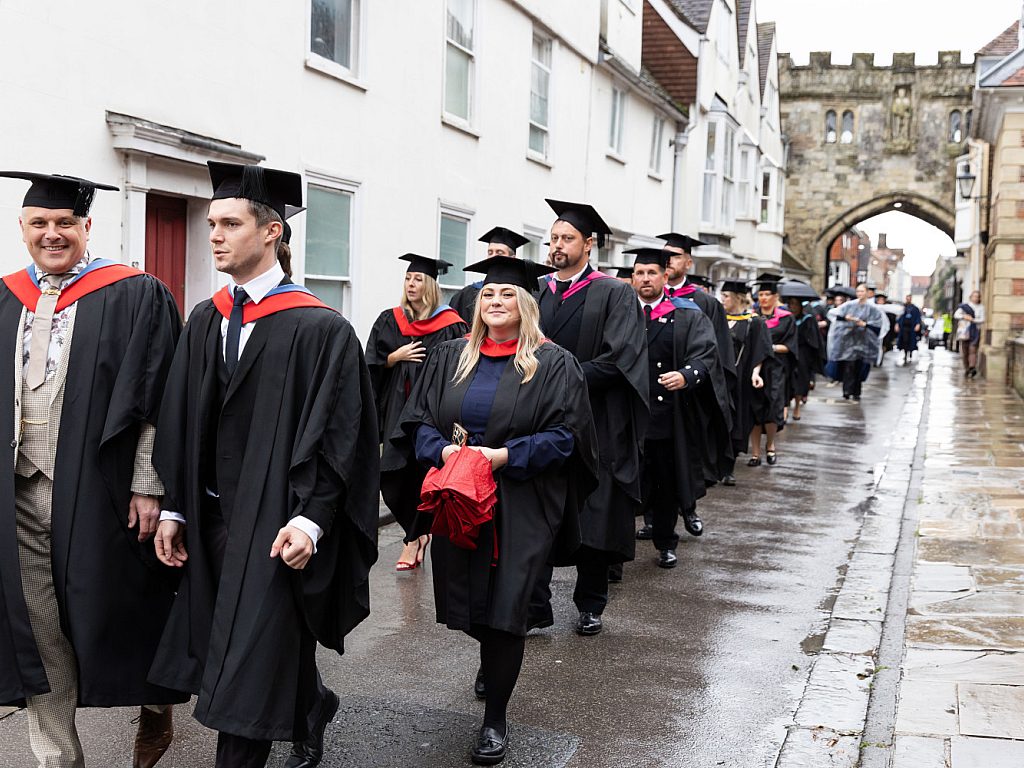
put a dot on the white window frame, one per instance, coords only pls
(454, 211)
(708, 205)
(766, 210)
(728, 174)
(352, 74)
(847, 136)
(617, 121)
(545, 128)
(722, 216)
(449, 117)
(319, 179)
(657, 145)
(536, 237)
(745, 181)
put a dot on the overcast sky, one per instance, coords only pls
(883, 27)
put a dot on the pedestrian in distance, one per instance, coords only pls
(85, 349)
(770, 400)
(970, 316)
(398, 344)
(523, 402)
(855, 340)
(810, 357)
(268, 449)
(500, 242)
(908, 326)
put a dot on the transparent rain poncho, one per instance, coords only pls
(849, 341)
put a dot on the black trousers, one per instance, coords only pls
(240, 752)
(659, 491)
(850, 370)
(590, 594)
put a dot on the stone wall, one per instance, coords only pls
(900, 156)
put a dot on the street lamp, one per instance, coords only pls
(965, 181)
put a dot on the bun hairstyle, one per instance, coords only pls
(284, 257)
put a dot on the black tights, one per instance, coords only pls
(501, 658)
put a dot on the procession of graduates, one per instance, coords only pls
(192, 510)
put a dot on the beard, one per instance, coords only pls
(562, 260)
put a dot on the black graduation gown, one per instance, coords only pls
(603, 326)
(400, 483)
(535, 518)
(769, 402)
(300, 409)
(810, 357)
(112, 594)
(464, 301)
(753, 346)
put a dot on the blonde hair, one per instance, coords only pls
(530, 338)
(431, 299)
(745, 300)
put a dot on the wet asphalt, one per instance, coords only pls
(700, 666)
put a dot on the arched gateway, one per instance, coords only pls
(866, 139)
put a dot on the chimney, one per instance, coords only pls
(881, 241)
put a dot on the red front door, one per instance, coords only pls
(166, 225)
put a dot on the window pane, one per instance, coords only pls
(709, 161)
(456, 84)
(830, 127)
(708, 199)
(766, 192)
(727, 192)
(460, 22)
(331, 30)
(330, 292)
(656, 133)
(542, 50)
(452, 248)
(613, 126)
(539, 95)
(539, 140)
(328, 231)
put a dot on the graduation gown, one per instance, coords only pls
(400, 482)
(536, 517)
(113, 595)
(769, 402)
(464, 301)
(602, 324)
(810, 357)
(684, 340)
(297, 435)
(906, 323)
(753, 346)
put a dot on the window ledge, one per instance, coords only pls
(540, 160)
(655, 176)
(459, 125)
(334, 70)
(611, 154)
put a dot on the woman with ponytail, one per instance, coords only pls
(523, 402)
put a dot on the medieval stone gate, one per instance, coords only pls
(866, 139)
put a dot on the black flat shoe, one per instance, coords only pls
(490, 748)
(667, 559)
(754, 461)
(309, 753)
(588, 624)
(729, 480)
(479, 689)
(645, 533)
(693, 524)
(771, 457)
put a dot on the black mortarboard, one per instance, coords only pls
(271, 187)
(58, 192)
(768, 281)
(685, 242)
(624, 272)
(506, 271)
(657, 256)
(289, 211)
(506, 237)
(700, 280)
(583, 217)
(431, 267)
(735, 286)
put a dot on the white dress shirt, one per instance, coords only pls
(257, 290)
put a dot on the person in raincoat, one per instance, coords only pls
(855, 340)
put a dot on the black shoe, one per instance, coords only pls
(667, 559)
(692, 522)
(754, 461)
(479, 689)
(588, 624)
(729, 480)
(645, 533)
(771, 457)
(615, 573)
(309, 753)
(490, 747)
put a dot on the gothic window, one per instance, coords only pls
(830, 127)
(956, 133)
(846, 137)
(967, 122)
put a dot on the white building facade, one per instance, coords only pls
(417, 126)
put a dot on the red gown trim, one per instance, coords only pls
(27, 292)
(442, 319)
(278, 302)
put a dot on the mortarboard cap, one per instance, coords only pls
(735, 286)
(57, 192)
(768, 281)
(676, 240)
(271, 187)
(289, 211)
(506, 237)
(700, 280)
(505, 271)
(657, 256)
(624, 272)
(431, 267)
(583, 217)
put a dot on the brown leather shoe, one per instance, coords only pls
(153, 738)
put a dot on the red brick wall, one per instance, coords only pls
(672, 65)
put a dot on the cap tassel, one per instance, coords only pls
(83, 201)
(253, 185)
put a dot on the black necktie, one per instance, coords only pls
(561, 286)
(648, 309)
(234, 331)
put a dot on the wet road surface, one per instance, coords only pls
(699, 666)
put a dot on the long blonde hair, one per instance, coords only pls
(431, 299)
(530, 338)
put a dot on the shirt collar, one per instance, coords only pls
(651, 304)
(676, 287)
(258, 288)
(577, 276)
(76, 270)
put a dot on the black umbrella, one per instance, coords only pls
(796, 289)
(843, 290)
